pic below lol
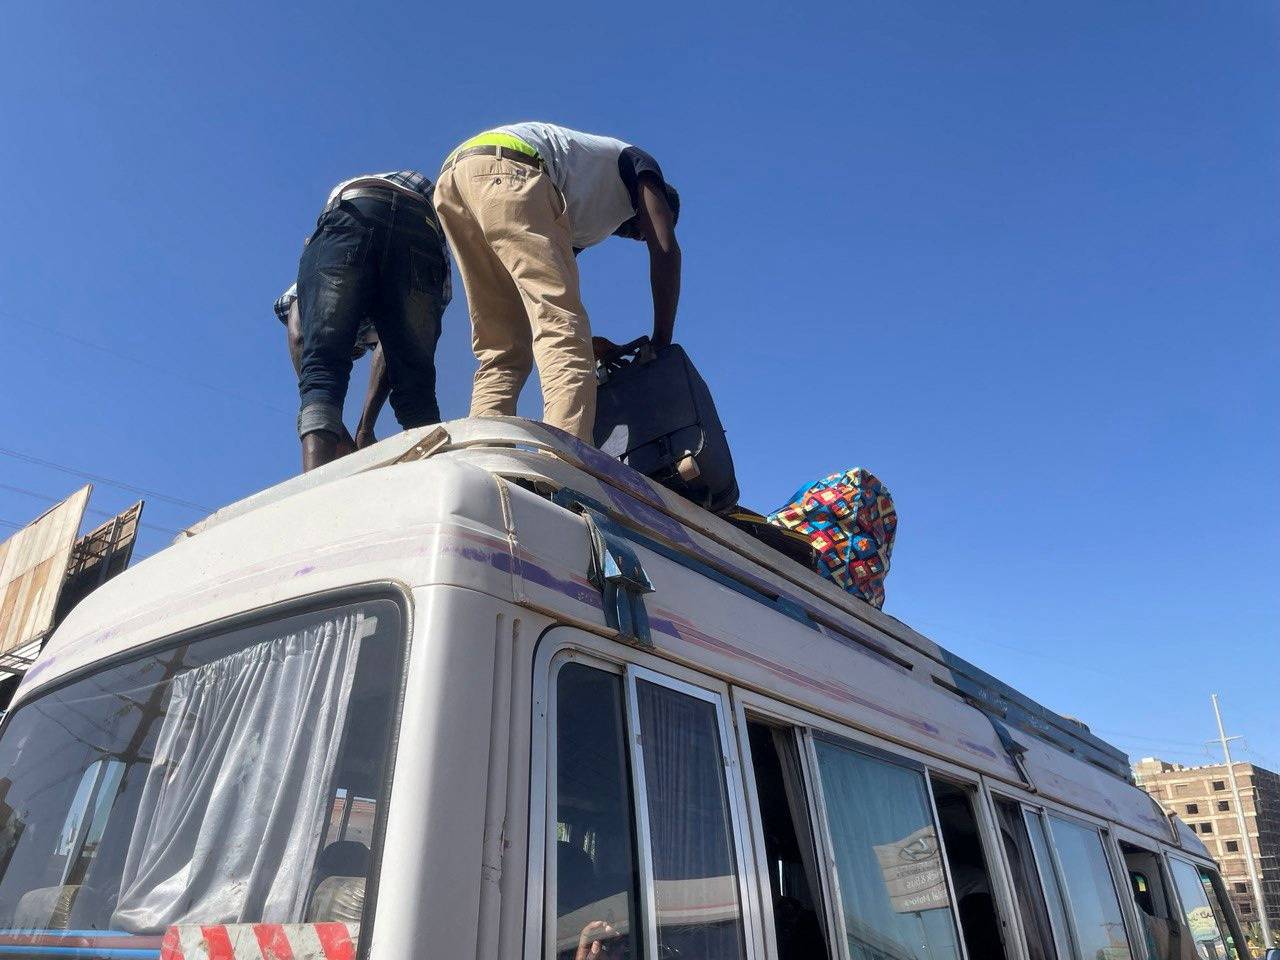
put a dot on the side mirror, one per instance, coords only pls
(1273, 954)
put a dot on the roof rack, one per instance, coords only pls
(993, 697)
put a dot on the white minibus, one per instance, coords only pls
(481, 692)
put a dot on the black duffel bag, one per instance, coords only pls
(655, 414)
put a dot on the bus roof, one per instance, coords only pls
(809, 593)
(522, 513)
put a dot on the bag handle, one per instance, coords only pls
(639, 350)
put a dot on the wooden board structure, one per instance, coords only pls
(33, 568)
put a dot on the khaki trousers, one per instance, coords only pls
(507, 225)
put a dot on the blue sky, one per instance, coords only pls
(1018, 259)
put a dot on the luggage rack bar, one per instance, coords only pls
(813, 600)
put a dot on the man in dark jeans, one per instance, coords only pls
(288, 313)
(378, 251)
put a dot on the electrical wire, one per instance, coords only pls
(107, 481)
(181, 375)
(106, 514)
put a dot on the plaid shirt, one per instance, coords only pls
(410, 180)
(284, 302)
(367, 336)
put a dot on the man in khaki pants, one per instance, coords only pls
(518, 203)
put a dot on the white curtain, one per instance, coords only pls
(233, 806)
(874, 806)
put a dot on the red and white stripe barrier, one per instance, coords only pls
(261, 941)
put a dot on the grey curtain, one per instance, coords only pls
(695, 876)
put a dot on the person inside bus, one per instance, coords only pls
(1163, 935)
(594, 941)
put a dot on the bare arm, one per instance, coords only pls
(293, 334)
(375, 396)
(658, 226)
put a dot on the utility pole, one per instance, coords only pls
(1259, 903)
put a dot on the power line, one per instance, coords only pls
(1267, 759)
(182, 375)
(1159, 741)
(120, 484)
(101, 513)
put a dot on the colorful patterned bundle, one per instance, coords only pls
(850, 520)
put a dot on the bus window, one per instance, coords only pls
(194, 783)
(893, 890)
(1092, 903)
(788, 844)
(1195, 890)
(1214, 890)
(970, 876)
(87, 818)
(595, 863)
(1156, 914)
(694, 870)
(1057, 939)
(658, 876)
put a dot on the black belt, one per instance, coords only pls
(492, 150)
(379, 193)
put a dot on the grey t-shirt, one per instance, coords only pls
(597, 176)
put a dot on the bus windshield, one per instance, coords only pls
(230, 778)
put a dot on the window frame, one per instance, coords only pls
(1111, 834)
(1221, 893)
(993, 793)
(561, 644)
(632, 675)
(347, 595)
(826, 843)
(743, 716)
(1157, 850)
(805, 723)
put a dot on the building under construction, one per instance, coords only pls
(1201, 796)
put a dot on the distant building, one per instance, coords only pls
(1201, 797)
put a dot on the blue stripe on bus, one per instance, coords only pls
(28, 932)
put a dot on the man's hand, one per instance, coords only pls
(589, 945)
(602, 347)
(365, 438)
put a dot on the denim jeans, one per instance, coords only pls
(379, 258)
